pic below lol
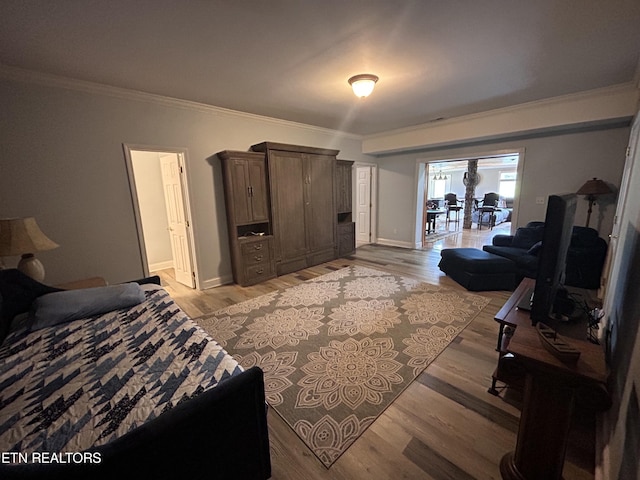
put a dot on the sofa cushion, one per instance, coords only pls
(527, 237)
(502, 240)
(60, 307)
(512, 253)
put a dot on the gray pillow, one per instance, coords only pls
(60, 307)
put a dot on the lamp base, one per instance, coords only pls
(31, 266)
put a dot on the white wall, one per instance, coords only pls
(552, 164)
(63, 163)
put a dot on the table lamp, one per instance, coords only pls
(591, 189)
(22, 236)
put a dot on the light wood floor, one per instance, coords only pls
(443, 426)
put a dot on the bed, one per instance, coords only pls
(140, 391)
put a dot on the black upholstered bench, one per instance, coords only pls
(478, 270)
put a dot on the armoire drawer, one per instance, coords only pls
(257, 273)
(256, 246)
(256, 258)
(251, 256)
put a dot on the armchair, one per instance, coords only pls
(585, 257)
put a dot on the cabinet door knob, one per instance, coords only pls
(257, 258)
(258, 247)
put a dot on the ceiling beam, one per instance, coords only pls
(603, 106)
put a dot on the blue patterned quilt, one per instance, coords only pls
(86, 382)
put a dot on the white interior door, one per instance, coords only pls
(363, 205)
(171, 164)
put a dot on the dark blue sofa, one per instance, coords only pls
(585, 257)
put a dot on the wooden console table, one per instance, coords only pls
(550, 391)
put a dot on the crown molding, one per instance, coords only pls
(17, 74)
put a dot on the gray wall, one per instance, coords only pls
(552, 164)
(62, 162)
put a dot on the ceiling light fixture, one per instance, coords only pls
(363, 84)
(439, 176)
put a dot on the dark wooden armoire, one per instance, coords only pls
(292, 202)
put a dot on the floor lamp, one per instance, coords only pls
(591, 189)
(22, 236)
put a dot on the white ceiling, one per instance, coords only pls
(290, 59)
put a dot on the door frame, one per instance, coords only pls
(373, 194)
(181, 152)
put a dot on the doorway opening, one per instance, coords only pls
(159, 190)
(498, 173)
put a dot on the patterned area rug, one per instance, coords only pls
(338, 349)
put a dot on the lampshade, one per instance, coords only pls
(22, 236)
(363, 84)
(594, 187)
(591, 188)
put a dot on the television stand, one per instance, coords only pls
(549, 393)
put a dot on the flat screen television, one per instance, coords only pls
(558, 227)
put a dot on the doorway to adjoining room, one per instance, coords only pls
(159, 192)
(449, 202)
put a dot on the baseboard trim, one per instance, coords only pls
(395, 243)
(154, 267)
(216, 282)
